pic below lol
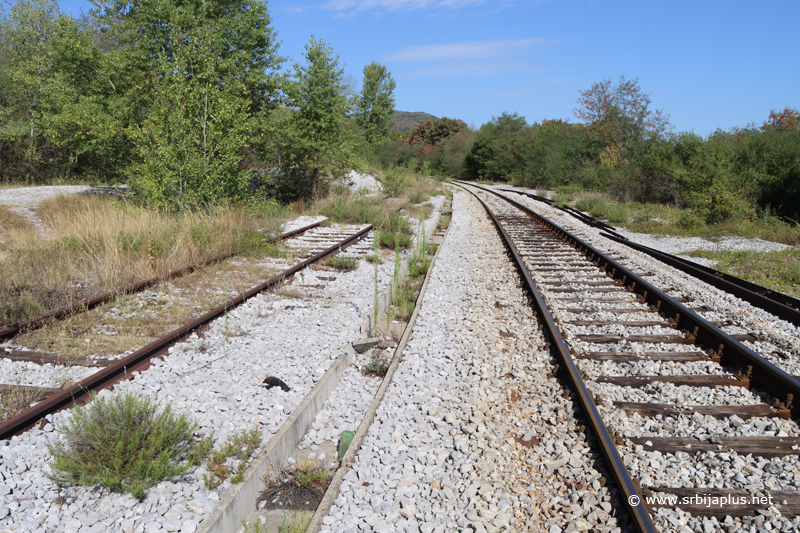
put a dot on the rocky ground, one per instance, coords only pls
(473, 434)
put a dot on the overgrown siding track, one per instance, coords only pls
(311, 250)
(679, 407)
(11, 331)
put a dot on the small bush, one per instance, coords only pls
(568, 189)
(392, 240)
(617, 214)
(342, 263)
(417, 197)
(123, 443)
(393, 181)
(310, 474)
(690, 221)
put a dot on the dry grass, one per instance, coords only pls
(14, 400)
(132, 321)
(14, 229)
(96, 245)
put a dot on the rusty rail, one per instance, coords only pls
(140, 360)
(91, 303)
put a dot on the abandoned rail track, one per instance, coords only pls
(706, 402)
(310, 247)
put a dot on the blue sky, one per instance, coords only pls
(709, 64)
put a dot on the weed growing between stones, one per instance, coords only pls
(124, 443)
(239, 447)
(301, 486)
(377, 365)
(342, 263)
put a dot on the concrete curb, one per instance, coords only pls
(237, 504)
(333, 489)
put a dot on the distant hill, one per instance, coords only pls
(404, 121)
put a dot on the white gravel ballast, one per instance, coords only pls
(217, 381)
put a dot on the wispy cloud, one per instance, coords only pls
(469, 50)
(468, 59)
(480, 69)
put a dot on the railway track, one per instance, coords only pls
(680, 409)
(780, 305)
(310, 243)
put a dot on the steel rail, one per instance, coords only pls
(779, 304)
(91, 303)
(771, 378)
(613, 461)
(140, 360)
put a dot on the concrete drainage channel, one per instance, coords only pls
(238, 506)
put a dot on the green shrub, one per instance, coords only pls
(342, 263)
(393, 181)
(690, 220)
(124, 444)
(417, 197)
(568, 189)
(392, 240)
(617, 214)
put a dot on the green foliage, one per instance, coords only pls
(309, 474)
(375, 105)
(342, 263)
(316, 149)
(377, 365)
(393, 181)
(621, 117)
(240, 446)
(124, 444)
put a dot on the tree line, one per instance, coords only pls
(183, 100)
(626, 148)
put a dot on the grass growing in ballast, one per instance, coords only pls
(125, 443)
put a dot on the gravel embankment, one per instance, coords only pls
(217, 380)
(441, 454)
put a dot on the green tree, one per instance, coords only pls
(622, 117)
(493, 155)
(432, 132)
(190, 140)
(191, 77)
(27, 63)
(317, 148)
(375, 104)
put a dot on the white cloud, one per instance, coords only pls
(469, 50)
(476, 69)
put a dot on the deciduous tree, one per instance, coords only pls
(622, 117)
(375, 104)
(316, 146)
